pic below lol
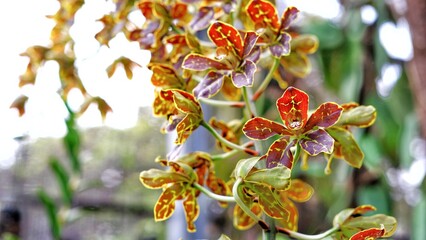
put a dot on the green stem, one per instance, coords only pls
(219, 103)
(213, 195)
(302, 236)
(226, 142)
(248, 104)
(229, 154)
(297, 153)
(176, 29)
(267, 80)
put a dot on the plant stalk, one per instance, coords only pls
(213, 195)
(267, 79)
(225, 141)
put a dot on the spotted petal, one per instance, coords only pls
(198, 62)
(299, 191)
(263, 13)
(165, 76)
(369, 234)
(244, 77)
(289, 15)
(186, 127)
(165, 205)
(269, 201)
(326, 115)
(250, 40)
(192, 210)
(210, 85)
(225, 35)
(293, 107)
(317, 142)
(186, 102)
(279, 153)
(282, 47)
(203, 18)
(259, 128)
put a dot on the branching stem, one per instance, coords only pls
(302, 236)
(267, 79)
(219, 103)
(226, 142)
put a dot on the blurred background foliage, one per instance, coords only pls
(103, 198)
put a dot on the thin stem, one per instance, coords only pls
(248, 104)
(302, 236)
(213, 195)
(176, 29)
(219, 103)
(226, 142)
(267, 80)
(297, 153)
(230, 154)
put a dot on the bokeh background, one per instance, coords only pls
(371, 52)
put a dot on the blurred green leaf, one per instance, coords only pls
(419, 220)
(72, 143)
(376, 195)
(50, 208)
(329, 34)
(62, 178)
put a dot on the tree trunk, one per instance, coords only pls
(416, 17)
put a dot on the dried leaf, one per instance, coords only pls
(19, 104)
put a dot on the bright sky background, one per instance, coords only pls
(45, 112)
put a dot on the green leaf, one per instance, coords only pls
(155, 178)
(347, 146)
(244, 166)
(360, 116)
(72, 143)
(62, 178)
(269, 200)
(375, 221)
(50, 208)
(277, 177)
(346, 214)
